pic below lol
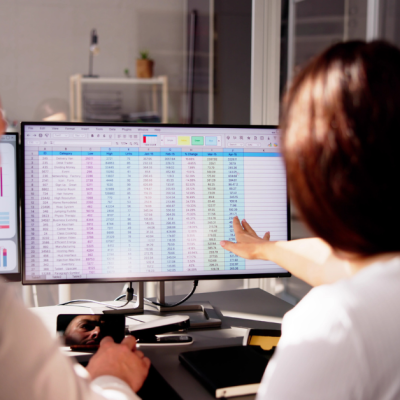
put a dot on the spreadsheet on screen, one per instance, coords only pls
(105, 202)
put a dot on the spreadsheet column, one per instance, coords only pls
(264, 209)
(111, 209)
(91, 211)
(67, 213)
(150, 210)
(275, 205)
(171, 209)
(130, 210)
(193, 229)
(32, 212)
(213, 198)
(47, 204)
(233, 201)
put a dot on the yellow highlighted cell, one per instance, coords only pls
(184, 140)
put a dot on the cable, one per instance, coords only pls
(98, 302)
(129, 297)
(195, 283)
(149, 302)
(93, 301)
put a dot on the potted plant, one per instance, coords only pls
(144, 65)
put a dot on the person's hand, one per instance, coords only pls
(248, 244)
(120, 360)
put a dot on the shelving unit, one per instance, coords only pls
(77, 81)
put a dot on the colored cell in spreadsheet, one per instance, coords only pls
(4, 220)
(4, 258)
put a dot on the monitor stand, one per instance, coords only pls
(202, 314)
(132, 308)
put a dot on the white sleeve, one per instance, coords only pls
(113, 388)
(33, 367)
(318, 356)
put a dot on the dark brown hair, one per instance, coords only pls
(341, 140)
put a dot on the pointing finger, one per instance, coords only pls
(248, 228)
(236, 226)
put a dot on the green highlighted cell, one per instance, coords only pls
(197, 140)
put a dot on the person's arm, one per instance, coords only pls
(311, 260)
(33, 366)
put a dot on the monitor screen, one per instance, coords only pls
(9, 227)
(108, 202)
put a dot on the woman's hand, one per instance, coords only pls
(311, 260)
(248, 244)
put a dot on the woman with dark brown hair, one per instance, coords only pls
(341, 139)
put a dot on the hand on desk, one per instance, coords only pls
(120, 360)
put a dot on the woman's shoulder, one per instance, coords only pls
(340, 341)
(366, 301)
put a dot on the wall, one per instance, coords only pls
(43, 42)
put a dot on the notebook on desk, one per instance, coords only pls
(234, 371)
(228, 371)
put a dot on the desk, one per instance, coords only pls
(238, 310)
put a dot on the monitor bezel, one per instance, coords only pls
(16, 276)
(132, 279)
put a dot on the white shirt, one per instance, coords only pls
(342, 341)
(33, 367)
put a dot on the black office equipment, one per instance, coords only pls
(228, 371)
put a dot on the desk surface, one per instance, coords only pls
(243, 306)
(238, 310)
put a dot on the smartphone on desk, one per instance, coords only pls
(83, 332)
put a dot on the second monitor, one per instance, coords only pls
(9, 210)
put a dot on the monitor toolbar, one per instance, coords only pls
(268, 139)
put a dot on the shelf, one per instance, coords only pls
(125, 81)
(77, 81)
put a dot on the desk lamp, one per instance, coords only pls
(94, 50)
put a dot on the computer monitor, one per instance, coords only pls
(9, 210)
(108, 202)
